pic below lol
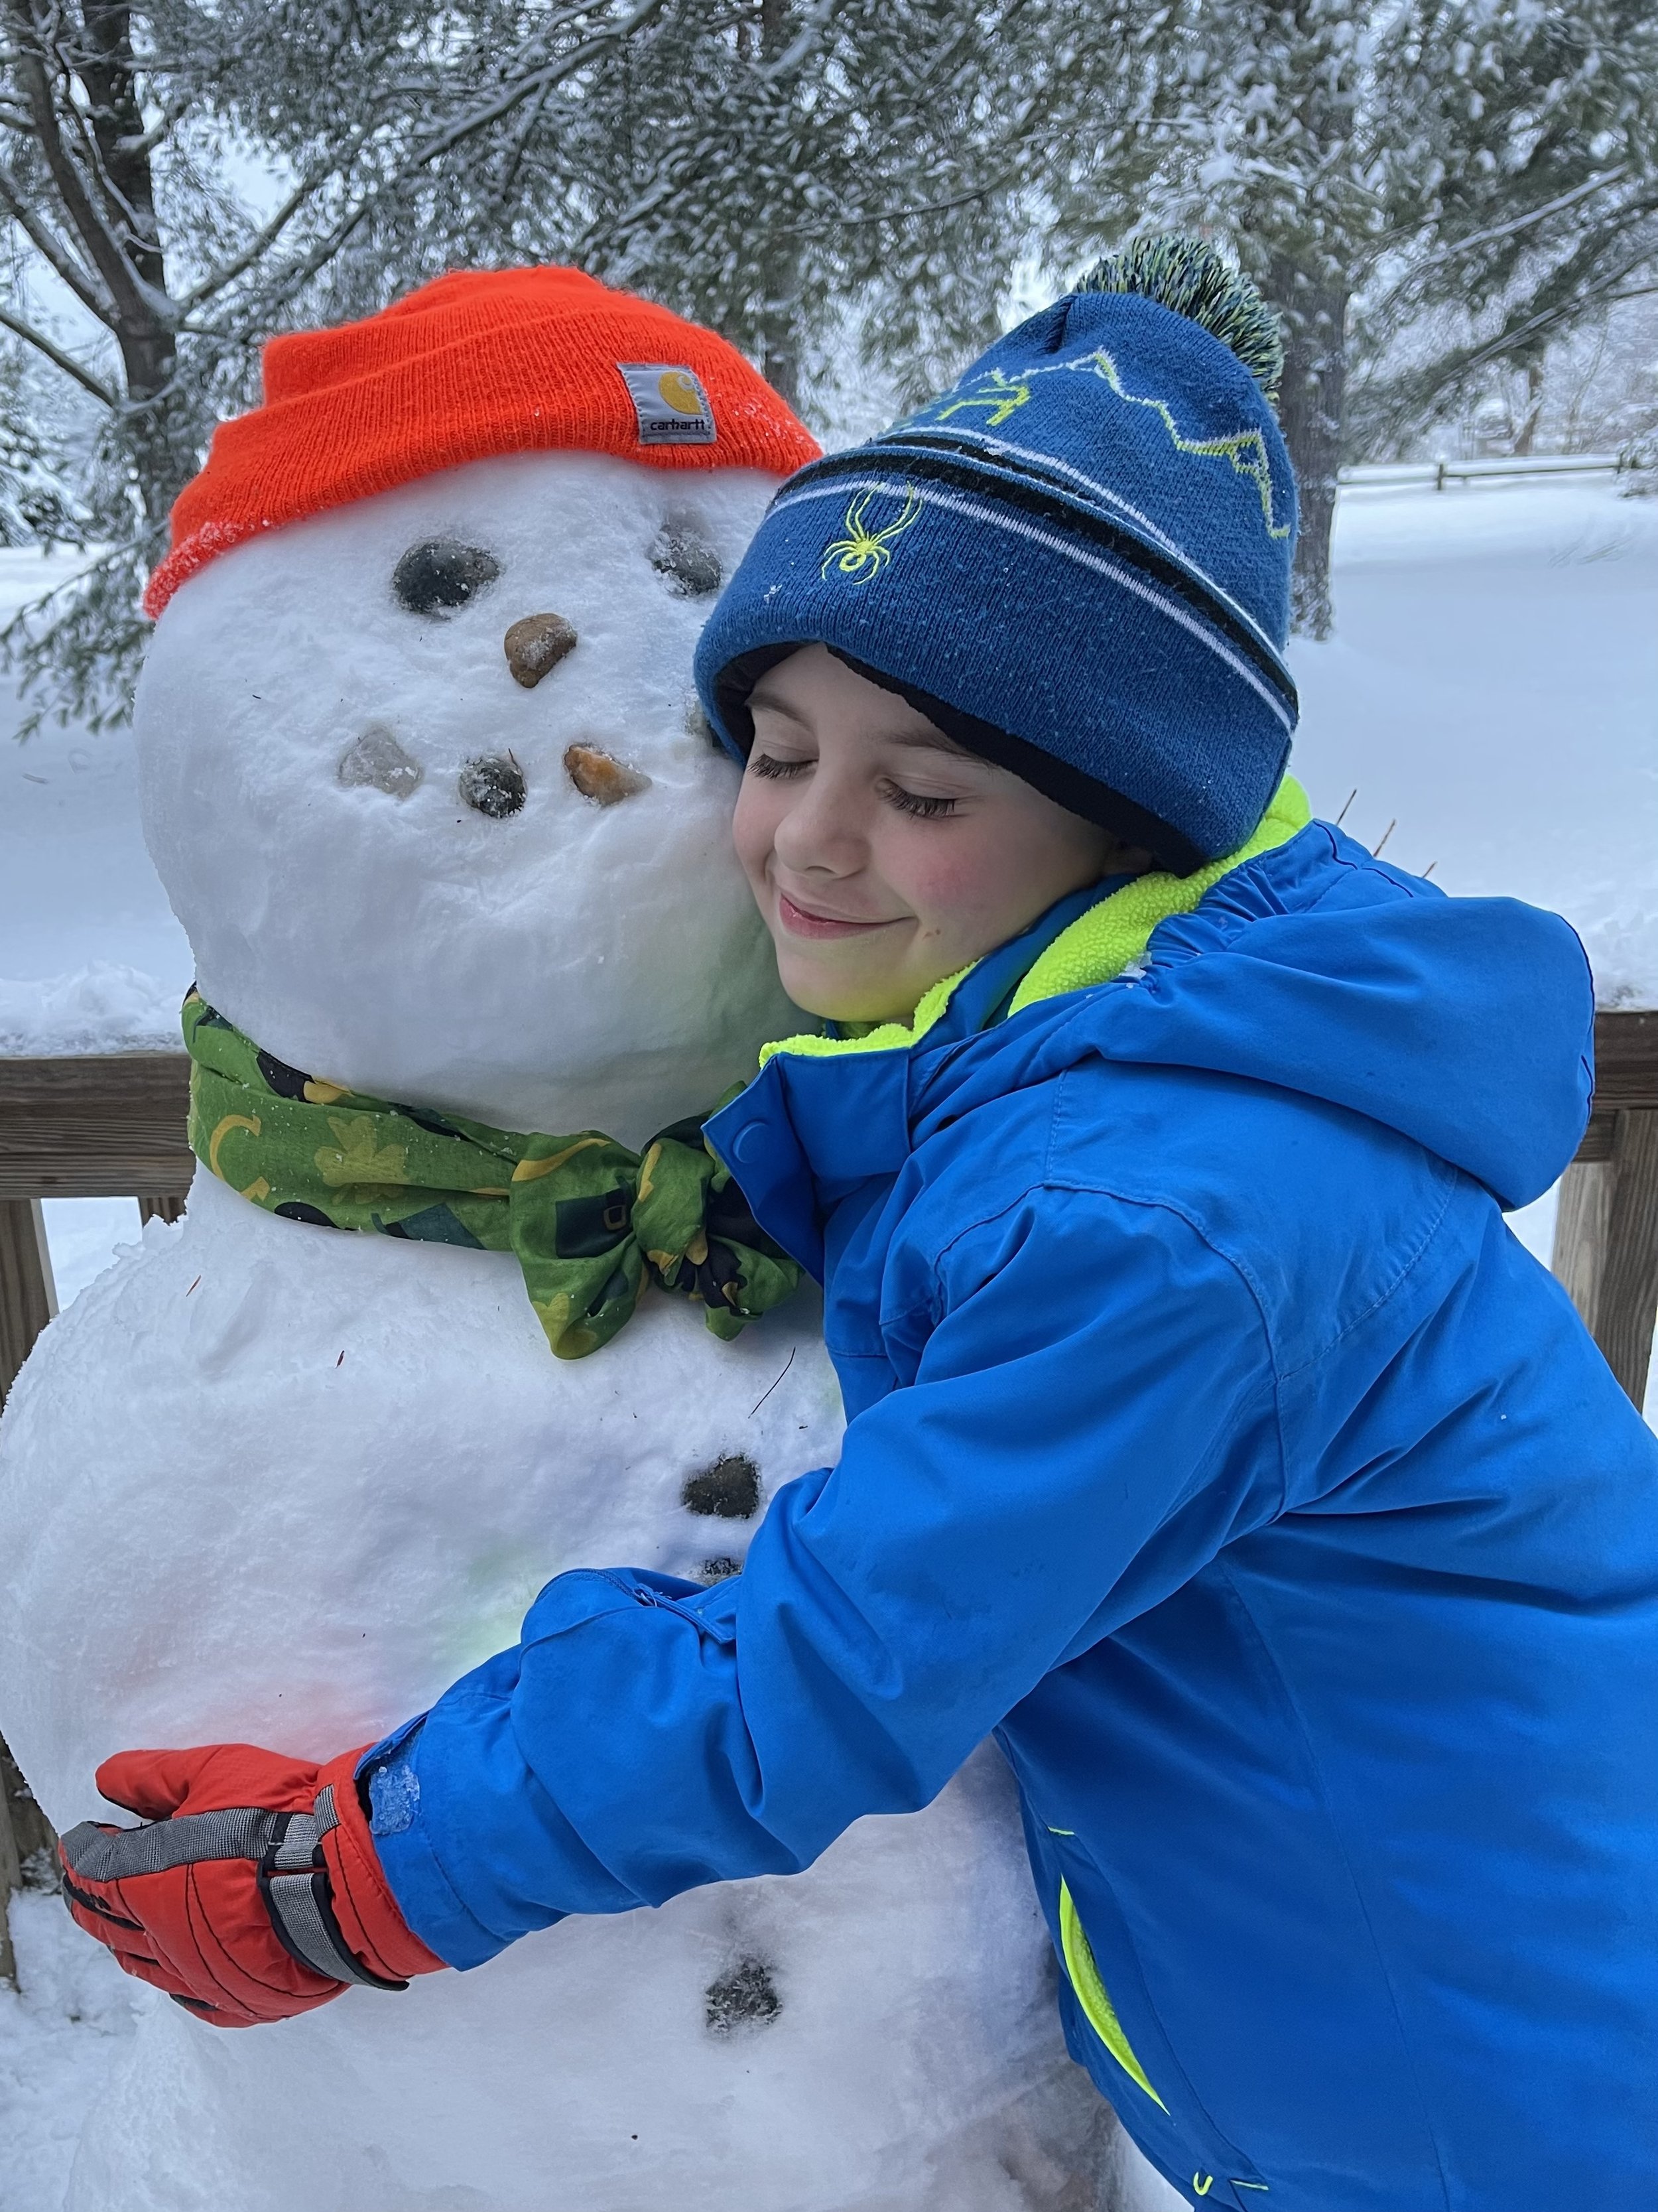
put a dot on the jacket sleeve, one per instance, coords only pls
(1093, 1417)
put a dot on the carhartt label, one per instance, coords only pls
(671, 403)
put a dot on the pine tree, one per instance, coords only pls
(1382, 171)
(1521, 185)
(773, 168)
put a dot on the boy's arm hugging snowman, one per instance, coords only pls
(1210, 1440)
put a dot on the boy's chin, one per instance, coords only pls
(840, 998)
(848, 1013)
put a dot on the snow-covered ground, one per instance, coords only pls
(1493, 690)
(62, 2031)
(1491, 693)
(91, 959)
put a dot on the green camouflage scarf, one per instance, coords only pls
(587, 1220)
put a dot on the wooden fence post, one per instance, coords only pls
(11, 1880)
(27, 1302)
(1605, 1235)
(28, 1299)
(1627, 1306)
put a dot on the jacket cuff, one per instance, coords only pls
(422, 1890)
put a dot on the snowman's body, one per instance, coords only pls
(270, 1482)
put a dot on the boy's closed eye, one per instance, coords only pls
(926, 805)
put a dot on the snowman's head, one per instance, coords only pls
(424, 777)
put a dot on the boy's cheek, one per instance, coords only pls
(754, 826)
(952, 879)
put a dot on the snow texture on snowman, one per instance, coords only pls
(423, 776)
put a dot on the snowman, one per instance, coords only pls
(423, 778)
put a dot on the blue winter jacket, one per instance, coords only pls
(1213, 1443)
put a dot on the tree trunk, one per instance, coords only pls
(162, 452)
(780, 331)
(1311, 408)
(79, 81)
(1525, 437)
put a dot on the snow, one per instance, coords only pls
(1493, 690)
(63, 2030)
(91, 959)
(105, 1007)
(83, 1235)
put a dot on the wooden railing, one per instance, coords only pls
(102, 1126)
(113, 1125)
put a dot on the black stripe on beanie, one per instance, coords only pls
(1057, 780)
(1008, 481)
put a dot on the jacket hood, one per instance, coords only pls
(1465, 1024)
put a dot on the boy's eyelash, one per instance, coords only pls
(925, 807)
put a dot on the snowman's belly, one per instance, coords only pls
(273, 1483)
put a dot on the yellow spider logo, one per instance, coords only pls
(861, 554)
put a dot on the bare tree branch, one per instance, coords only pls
(51, 249)
(59, 358)
(129, 293)
(263, 238)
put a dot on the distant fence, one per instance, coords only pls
(1437, 475)
(113, 1125)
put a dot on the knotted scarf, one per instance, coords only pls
(588, 1221)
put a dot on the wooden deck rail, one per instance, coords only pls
(113, 1125)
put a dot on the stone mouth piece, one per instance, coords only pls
(597, 775)
(376, 758)
(535, 645)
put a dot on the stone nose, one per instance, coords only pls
(535, 645)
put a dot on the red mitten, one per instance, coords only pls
(253, 1891)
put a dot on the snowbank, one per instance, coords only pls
(102, 1007)
(1492, 690)
(91, 959)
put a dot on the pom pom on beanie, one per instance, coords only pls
(478, 363)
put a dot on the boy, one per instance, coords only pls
(1209, 1439)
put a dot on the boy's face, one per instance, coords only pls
(881, 856)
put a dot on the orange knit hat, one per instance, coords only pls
(501, 362)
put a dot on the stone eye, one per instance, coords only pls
(440, 574)
(681, 553)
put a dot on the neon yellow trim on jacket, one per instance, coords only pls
(1098, 944)
(886, 1036)
(1105, 940)
(1091, 1995)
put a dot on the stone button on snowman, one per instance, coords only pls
(423, 776)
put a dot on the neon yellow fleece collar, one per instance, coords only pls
(1097, 945)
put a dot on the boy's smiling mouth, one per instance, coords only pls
(800, 921)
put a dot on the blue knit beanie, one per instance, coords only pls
(1076, 562)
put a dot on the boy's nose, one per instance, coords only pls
(535, 644)
(821, 832)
